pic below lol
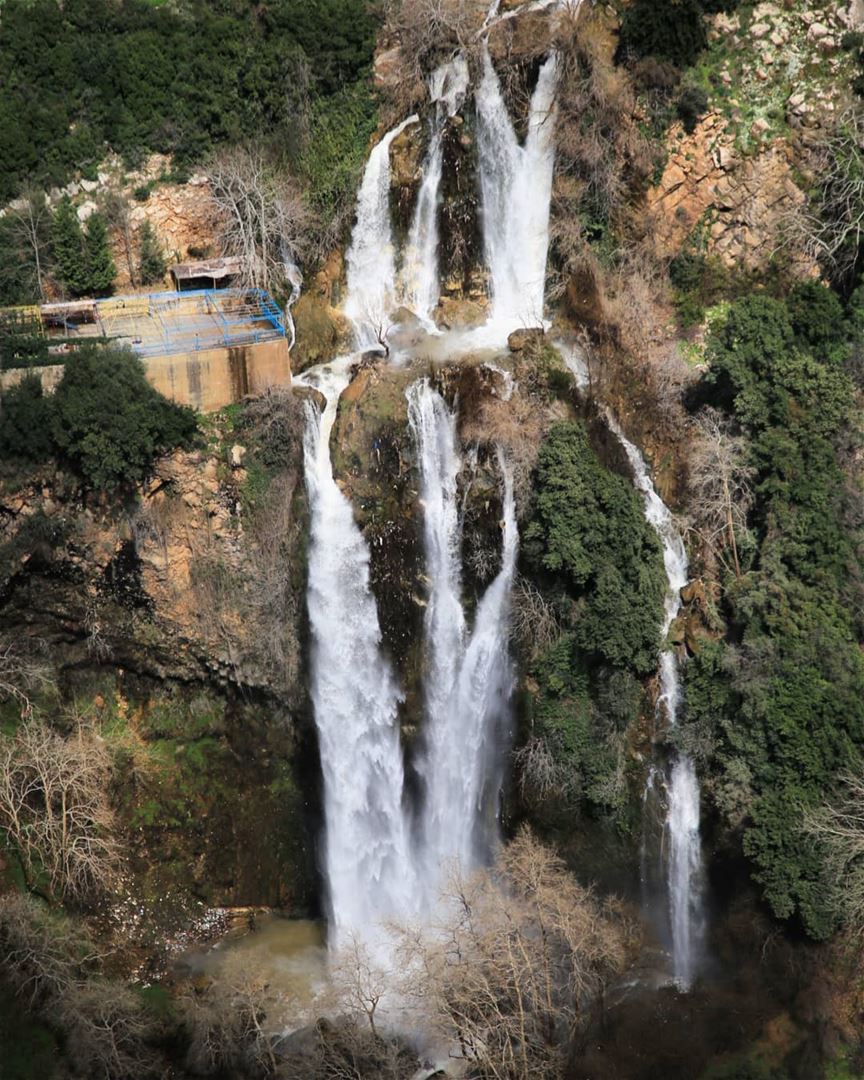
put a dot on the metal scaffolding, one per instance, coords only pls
(163, 323)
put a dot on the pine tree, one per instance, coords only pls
(98, 260)
(151, 258)
(68, 248)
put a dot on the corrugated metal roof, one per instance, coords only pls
(208, 268)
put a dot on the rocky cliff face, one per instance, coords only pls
(176, 619)
(738, 204)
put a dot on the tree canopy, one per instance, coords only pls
(783, 696)
(85, 76)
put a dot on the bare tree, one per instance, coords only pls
(513, 968)
(830, 228)
(42, 954)
(542, 775)
(53, 966)
(227, 1023)
(116, 209)
(107, 1030)
(721, 487)
(263, 216)
(533, 621)
(838, 829)
(22, 674)
(31, 218)
(428, 32)
(358, 983)
(55, 809)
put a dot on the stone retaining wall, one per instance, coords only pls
(207, 380)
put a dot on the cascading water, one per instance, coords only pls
(372, 873)
(420, 286)
(371, 260)
(468, 678)
(684, 860)
(516, 189)
(355, 696)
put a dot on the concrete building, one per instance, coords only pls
(206, 348)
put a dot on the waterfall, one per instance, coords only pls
(295, 278)
(371, 261)
(516, 189)
(684, 860)
(420, 286)
(355, 696)
(468, 678)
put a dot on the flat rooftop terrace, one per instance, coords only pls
(166, 323)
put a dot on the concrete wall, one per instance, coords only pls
(206, 380)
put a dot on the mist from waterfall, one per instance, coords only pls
(468, 676)
(516, 189)
(448, 86)
(371, 257)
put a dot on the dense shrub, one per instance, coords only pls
(109, 422)
(25, 416)
(782, 701)
(691, 106)
(152, 264)
(599, 584)
(589, 532)
(816, 315)
(671, 29)
(79, 77)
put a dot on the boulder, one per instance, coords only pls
(309, 393)
(406, 157)
(454, 313)
(523, 339)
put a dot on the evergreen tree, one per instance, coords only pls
(68, 247)
(151, 258)
(98, 260)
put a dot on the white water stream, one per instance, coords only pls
(448, 86)
(468, 677)
(368, 857)
(516, 189)
(684, 856)
(371, 258)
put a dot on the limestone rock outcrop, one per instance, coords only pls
(738, 203)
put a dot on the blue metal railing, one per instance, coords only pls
(225, 318)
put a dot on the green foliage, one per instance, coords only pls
(588, 531)
(701, 281)
(25, 422)
(691, 106)
(82, 260)
(108, 420)
(816, 315)
(340, 129)
(79, 77)
(782, 705)
(151, 257)
(98, 262)
(670, 29)
(21, 341)
(68, 248)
